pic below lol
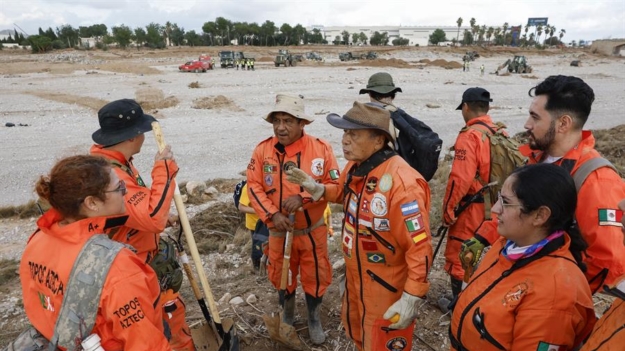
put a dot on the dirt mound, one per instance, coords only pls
(265, 59)
(445, 64)
(153, 98)
(611, 145)
(392, 62)
(85, 101)
(195, 85)
(216, 102)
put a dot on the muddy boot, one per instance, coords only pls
(288, 307)
(315, 331)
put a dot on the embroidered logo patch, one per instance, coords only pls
(268, 179)
(381, 224)
(543, 346)
(376, 258)
(397, 344)
(514, 295)
(267, 168)
(365, 221)
(610, 216)
(410, 208)
(386, 182)
(46, 302)
(317, 167)
(288, 165)
(334, 174)
(378, 205)
(369, 245)
(371, 184)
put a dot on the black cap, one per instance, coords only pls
(475, 94)
(121, 120)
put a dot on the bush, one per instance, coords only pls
(39, 43)
(58, 44)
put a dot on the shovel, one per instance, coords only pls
(205, 338)
(279, 331)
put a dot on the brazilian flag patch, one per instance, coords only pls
(376, 258)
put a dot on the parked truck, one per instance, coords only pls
(284, 58)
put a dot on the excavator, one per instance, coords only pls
(516, 65)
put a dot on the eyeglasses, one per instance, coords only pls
(504, 204)
(120, 188)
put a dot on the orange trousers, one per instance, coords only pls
(309, 257)
(174, 314)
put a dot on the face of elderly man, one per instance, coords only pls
(287, 128)
(360, 144)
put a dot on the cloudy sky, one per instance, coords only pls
(582, 19)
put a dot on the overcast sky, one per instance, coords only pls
(582, 19)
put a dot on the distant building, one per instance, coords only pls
(611, 47)
(416, 35)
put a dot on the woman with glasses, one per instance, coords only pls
(529, 292)
(87, 198)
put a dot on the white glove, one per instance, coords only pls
(297, 176)
(406, 308)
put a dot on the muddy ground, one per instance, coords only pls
(213, 120)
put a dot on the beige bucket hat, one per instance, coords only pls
(291, 104)
(363, 116)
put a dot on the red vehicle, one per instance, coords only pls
(195, 66)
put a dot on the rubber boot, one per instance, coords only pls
(444, 303)
(315, 330)
(288, 307)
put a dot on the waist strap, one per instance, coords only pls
(296, 232)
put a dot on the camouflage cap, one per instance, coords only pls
(381, 83)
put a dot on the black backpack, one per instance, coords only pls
(416, 143)
(237, 192)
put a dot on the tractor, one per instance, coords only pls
(516, 65)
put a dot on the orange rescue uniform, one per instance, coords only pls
(531, 304)
(268, 187)
(472, 157)
(126, 319)
(609, 332)
(148, 210)
(602, 190)
(386, 242)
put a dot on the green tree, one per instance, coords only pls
(345, 37)
(562, 32)
(177, 35)
(192, 38)
(154, 36)
(67, 34)
(298, 33)
(39, 43)
(489, 34)
(223, 29)
(140, 37)
(210, 29)
(315, 37)
(362, 37)
(167, 33)
(379, 38)
(459, 22)
(505, 28)
(355, 37)
(400, 41)
(286, 30)
(97, 31)
(437, 36)
(267, 30)
(467, 37)
(122, 35)
(337, 40)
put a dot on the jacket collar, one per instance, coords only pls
(570, 160)
(482, 119)
(293, 148)
(80, 230)
(111, 154)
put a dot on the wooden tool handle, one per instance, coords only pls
(188, 234)
(468, 272)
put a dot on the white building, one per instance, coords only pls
(415, 34)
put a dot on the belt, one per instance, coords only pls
(296, 232)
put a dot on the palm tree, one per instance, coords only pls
(505, 28)
(489, 33)
(459, 22)
(532, 37)
(562, 32)
(497, 34)
(539, 31)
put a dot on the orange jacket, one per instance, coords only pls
(544, 302)
(603, 189)
(267, 184)
(386, 239)
(127, 319)
(472, 157)
(609, 332)
(147, 208)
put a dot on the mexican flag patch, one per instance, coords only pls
(334, 174)
(609, 216)
(543, 346)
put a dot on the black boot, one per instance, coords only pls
(315, 331)
(456, 287)
(288, 307)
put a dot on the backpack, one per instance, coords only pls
(415, 142)
(237, 192)
(80, 302)
(504, 158)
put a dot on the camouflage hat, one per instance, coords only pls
(363, 116)
(291, 104)
(381, 83)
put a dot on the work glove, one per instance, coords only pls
(297, 176)
(406, 308)
(471, 251)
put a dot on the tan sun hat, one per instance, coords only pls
(291, 104)
(363, 116)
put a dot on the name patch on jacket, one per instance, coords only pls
(47, 277)
(130, 313)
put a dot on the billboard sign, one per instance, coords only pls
(534, 21)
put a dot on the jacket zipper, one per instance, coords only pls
(381, 281)
(479, 323)
(381, 240)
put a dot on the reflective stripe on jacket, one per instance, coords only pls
(127, 318)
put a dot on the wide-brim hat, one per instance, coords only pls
(291, 104)
(475, 94)
(381, 83)
(121, 120)
(363, 116)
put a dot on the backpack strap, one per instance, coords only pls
(488, 202)
(588, 167)
(82, 297)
